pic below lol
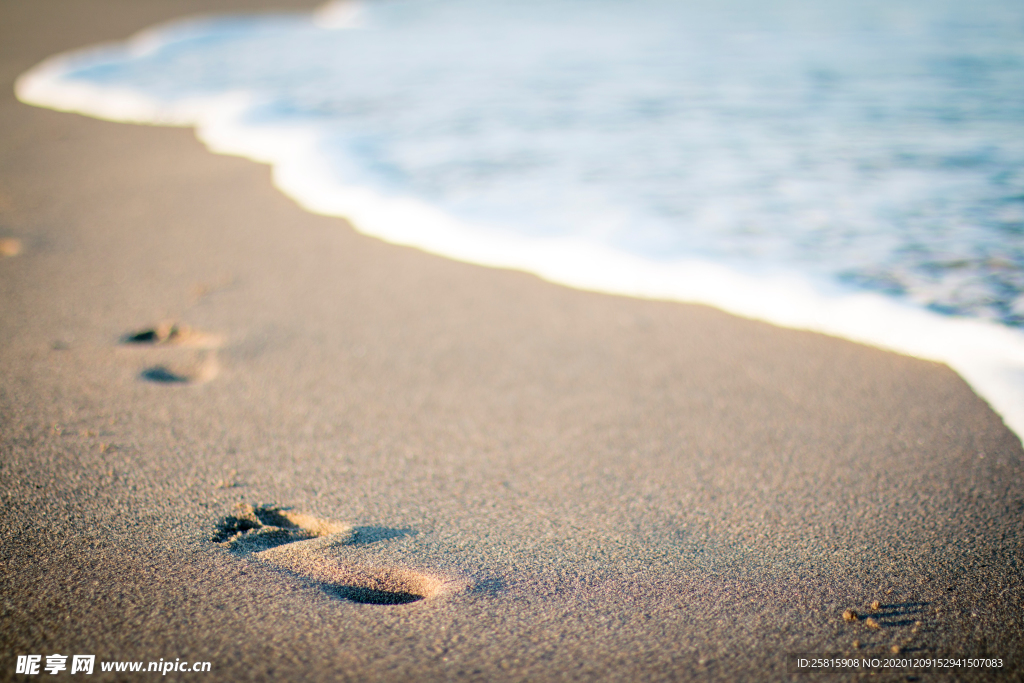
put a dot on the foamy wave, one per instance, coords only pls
(338, 14)
(988, 356)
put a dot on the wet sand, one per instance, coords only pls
(578, 486)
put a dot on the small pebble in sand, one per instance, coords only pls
(871, 623)
(849, 615)
(875, 605)
(856, 645)
(10, 246)
(895, 649)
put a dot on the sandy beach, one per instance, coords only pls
(235, 432)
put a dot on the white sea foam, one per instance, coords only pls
(338, 14)
(989, 356)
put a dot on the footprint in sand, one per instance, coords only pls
(323, 550)
(189, 356)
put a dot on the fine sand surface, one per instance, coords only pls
(579, 486)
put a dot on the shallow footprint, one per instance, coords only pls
(316, 549)
(194, 369)
(169, 333)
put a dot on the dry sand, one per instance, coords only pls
(583, 487)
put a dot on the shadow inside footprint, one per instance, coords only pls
(173, 334)
(253, 529)
(143, 337)
(900, 614)
(162, 375)
(369, 596)
(198, 371)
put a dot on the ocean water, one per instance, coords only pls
(853, 167)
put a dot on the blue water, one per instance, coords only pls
(879, 145)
